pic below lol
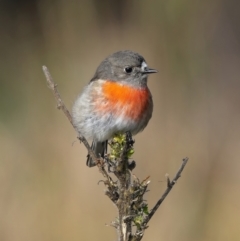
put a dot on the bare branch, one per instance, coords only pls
(169, 187)
(53, 87)
(61, 106)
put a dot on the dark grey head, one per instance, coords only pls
(125, 66)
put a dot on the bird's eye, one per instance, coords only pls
(128, 70)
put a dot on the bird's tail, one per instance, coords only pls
(99, 148)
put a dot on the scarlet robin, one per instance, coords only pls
(116, 100)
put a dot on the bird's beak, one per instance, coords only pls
(149, 71)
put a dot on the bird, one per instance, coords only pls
(116, 100)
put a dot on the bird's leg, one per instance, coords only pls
(129, 140)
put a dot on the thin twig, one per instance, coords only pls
(53, 87)
(61, 106)
(169, 187)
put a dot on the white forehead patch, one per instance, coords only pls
(144, 65)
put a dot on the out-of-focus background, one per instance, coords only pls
(46, 191)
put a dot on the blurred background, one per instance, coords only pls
(46, 191)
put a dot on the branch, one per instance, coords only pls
(128, 191)
(62, 106)
(53, 87)
(169, 188)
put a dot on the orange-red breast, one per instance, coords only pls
(116, 100)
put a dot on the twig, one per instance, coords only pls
(169, 187)
(53, 87)
(61, 106)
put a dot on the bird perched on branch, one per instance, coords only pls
(116, 100)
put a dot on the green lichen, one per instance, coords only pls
(141, 214)
(117, 145)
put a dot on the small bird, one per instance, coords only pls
(116, 100)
